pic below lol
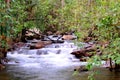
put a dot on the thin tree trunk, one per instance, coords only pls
(8, 3)
(62, 3)
(111, 67)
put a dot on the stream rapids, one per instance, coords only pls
(54, 62)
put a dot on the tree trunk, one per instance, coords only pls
(8, 3)
(23, 35)
(62, 3)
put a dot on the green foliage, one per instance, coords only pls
(91, 77)
(43, 15)
(94, 61)
(53, 16)
(114, 52)
(12, 20)
(105, 15)
(10, 17)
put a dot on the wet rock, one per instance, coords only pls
(57, 41)
(87, 39)
(57, 46)
(31, 57)
(82, 53)
(84, 59)
(57, 33)
(3, 53)
(58, 52)
(17, 62)
(2, 66)
(42, 52)
(85, 52)
(3, 59)
(69, 37)
(40, 44)
(39, 52)
(54, 38)
(49, 33)
(81, 69)
(36, 46)
(15, 46)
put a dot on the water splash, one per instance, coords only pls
(55, 55)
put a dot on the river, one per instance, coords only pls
(54, 62)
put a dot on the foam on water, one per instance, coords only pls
(56, 55)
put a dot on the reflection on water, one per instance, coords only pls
(51, 63)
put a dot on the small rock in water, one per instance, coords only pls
(31, 57)
(45, 52)
(81, 69)
(69, 37)
(58, 52)
(17, 62)
(56, 46)
(40, 52)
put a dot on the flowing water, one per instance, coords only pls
(54, 62)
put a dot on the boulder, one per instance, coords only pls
(39, 44)
(69, 37)
(82, 53)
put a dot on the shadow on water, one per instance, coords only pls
(20, 73)
(51, 63)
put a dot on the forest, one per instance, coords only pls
(96, 21)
